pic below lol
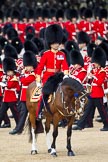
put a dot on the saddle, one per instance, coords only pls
(36, 94)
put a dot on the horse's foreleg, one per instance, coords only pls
(34, 148)
(55, 134)
(69, 134)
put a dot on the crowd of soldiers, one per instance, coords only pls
(29, 40)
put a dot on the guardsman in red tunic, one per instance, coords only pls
(39, 21)
(52, 16)
(76, 69)
(6, 118)
(60, 17)
(104, 45)
(72, 26)
(28, 76)
(53, 60)
(11, 88)
(103, 26)
(83, 40)
(87, 25)
(96, 95)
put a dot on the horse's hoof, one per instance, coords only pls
(71, 153)
(49, 150)
(33, 152)
(54, 154)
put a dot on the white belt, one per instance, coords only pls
(12, 89)
(24, 86)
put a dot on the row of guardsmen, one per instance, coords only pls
(82, 61)
(94, 23)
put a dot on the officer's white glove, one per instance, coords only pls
(38, 84)
(2, 84)
(66, 76)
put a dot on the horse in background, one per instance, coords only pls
(63, 105)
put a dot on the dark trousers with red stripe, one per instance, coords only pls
(23, 112)
(6, 118)
(92, 104)
(3, 110)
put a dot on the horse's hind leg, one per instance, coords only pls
(34, 148)
(47, 130)
(33, 127)
(69, 133)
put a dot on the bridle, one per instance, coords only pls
(70, 111)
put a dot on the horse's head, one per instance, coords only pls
(70, 104)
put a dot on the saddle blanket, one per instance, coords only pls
(36, 94)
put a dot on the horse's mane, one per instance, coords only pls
(74, 84)
(52, 83)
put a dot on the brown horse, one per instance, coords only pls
(63, 105)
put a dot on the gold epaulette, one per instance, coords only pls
(102, 70)
(14, 79)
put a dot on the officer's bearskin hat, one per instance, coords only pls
(39, 43)
(16, 42)
(10, 51)
(90, 48)
(31, 46)
(96, 12)
(81, 12)
(53, 34)
(71, 45)
(104, 46)
(11, 33)
(76, 58)
(3, 42)
(59, 14)
(15, 14)
(73, 13)
(31, 14)
(29, 59)
(45, 13)
(52, 12)
(103, 13)
(9, 64)
(88, 13)
(83, 37)
(99, 56)
(1, 14)
(38, 12)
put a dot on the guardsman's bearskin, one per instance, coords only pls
(76, 58)
(10, 51)
(99, 56)
(53, 34)
(29, 59)
(9, 64)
